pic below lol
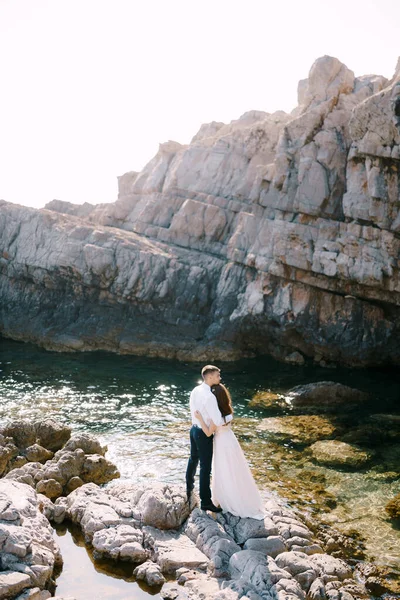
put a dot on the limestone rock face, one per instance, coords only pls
(276, 233)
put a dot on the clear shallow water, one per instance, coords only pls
(139, 407)
(104, 580)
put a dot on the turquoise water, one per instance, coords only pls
(139, 407)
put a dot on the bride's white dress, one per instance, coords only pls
(233, 486)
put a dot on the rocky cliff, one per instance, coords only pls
(277, 233)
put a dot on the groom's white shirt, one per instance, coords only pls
(203, 400)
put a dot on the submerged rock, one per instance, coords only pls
(304, 429)
(339, 454)
(393, 507)
(379, 580)
(266, 400)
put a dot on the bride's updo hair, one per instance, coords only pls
(223, 399)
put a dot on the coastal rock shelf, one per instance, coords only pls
(171, 544)
(227, 557)
(277, 233)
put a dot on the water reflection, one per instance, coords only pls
(106, 580)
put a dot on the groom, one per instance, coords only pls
(201, 446)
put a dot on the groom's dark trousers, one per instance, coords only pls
(201, 449)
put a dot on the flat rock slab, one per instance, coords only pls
(173, 550)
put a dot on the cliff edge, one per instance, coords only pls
(277, 233)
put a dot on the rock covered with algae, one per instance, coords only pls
(393, 507)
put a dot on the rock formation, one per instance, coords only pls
(28, 551)
(26, 456)
(172, 545)
(277, 233)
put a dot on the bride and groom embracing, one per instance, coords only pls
(213, 443)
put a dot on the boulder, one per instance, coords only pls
(98, 469)
(37, 453)
(259, 573)
(13, 582)
(160, 505)
(123, 542)
(8, 453)
(272, 545)
(299, 566)
(51, 434)
(149, 572)
(326, 565)
(246, 528)
(86, 442)
(67, 470)
(73, 484)
(22, 432)
(49, 487)
(324, 396)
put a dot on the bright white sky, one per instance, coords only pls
(88, 88)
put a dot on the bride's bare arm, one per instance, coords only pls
(207, 430)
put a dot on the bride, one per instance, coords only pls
(233, 486)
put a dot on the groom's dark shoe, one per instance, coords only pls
(189, 494)
(211, 507)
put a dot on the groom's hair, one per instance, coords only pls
(208, 369)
